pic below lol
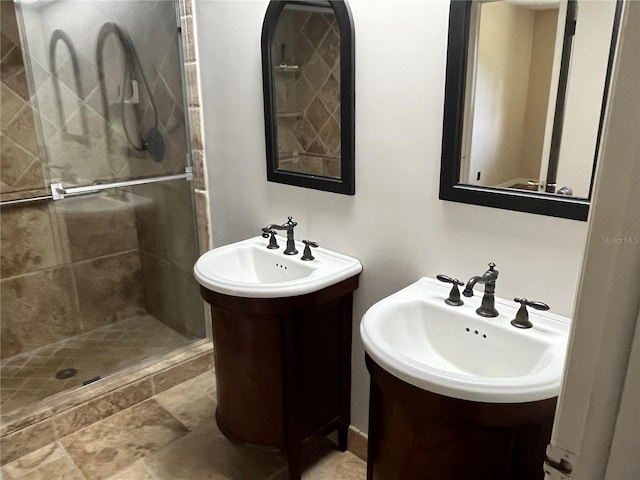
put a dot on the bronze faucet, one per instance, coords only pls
(487, 307)
(288, 226)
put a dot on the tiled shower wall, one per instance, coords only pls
(52, 289)
(195, 124)
(167, 248)
(65, 271)
(312, 42)
(21, 166)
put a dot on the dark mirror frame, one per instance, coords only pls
(450, 187)
(346, 183)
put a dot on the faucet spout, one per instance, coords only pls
(288, 226)
(468, 289)
(488, 279)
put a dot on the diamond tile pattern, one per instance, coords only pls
(30, 376)
(83, 140)
(311, 41)
(20, 168)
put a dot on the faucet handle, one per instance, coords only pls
(448, 279)
(454, 295)
(273, 244)
(522, 316)
(532, 303)
(306, 255)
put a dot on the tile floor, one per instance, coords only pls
(172, 436)
(31, 376)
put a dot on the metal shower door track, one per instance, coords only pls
(58, 192)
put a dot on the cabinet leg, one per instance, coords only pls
(343, 437)
(294, 461)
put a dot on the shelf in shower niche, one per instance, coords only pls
(288, 159)
(286, 68)
(289, 114)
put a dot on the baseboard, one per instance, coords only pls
(357, 443)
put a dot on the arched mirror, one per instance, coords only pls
(527, 82)
(308, 79)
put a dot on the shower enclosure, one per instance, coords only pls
(97, 219)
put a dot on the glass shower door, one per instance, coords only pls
(101, 255)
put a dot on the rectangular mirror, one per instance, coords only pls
(308, 93)
(526, 87)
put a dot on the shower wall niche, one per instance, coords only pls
(95, 282)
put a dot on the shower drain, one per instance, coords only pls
(66, 373)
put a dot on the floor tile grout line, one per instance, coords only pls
(141, 459)
(66, 454)
(278, 472)
(144, 464)
(72, 263)
(159, 402)
(142, 325)
(147, 469)
(135, 319)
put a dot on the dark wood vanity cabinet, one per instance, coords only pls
(283, 368)
(419, 435)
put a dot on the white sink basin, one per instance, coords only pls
(453, 351)
(249, 269)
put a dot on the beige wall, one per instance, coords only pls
(544, 37)
(502, 84)
(395, 223)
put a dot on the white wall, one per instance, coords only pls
(540, 71)
(395, 223)
(589, 59)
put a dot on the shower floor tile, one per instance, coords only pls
(31, 376)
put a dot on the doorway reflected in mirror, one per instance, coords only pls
(536, 74)
(525, 99)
